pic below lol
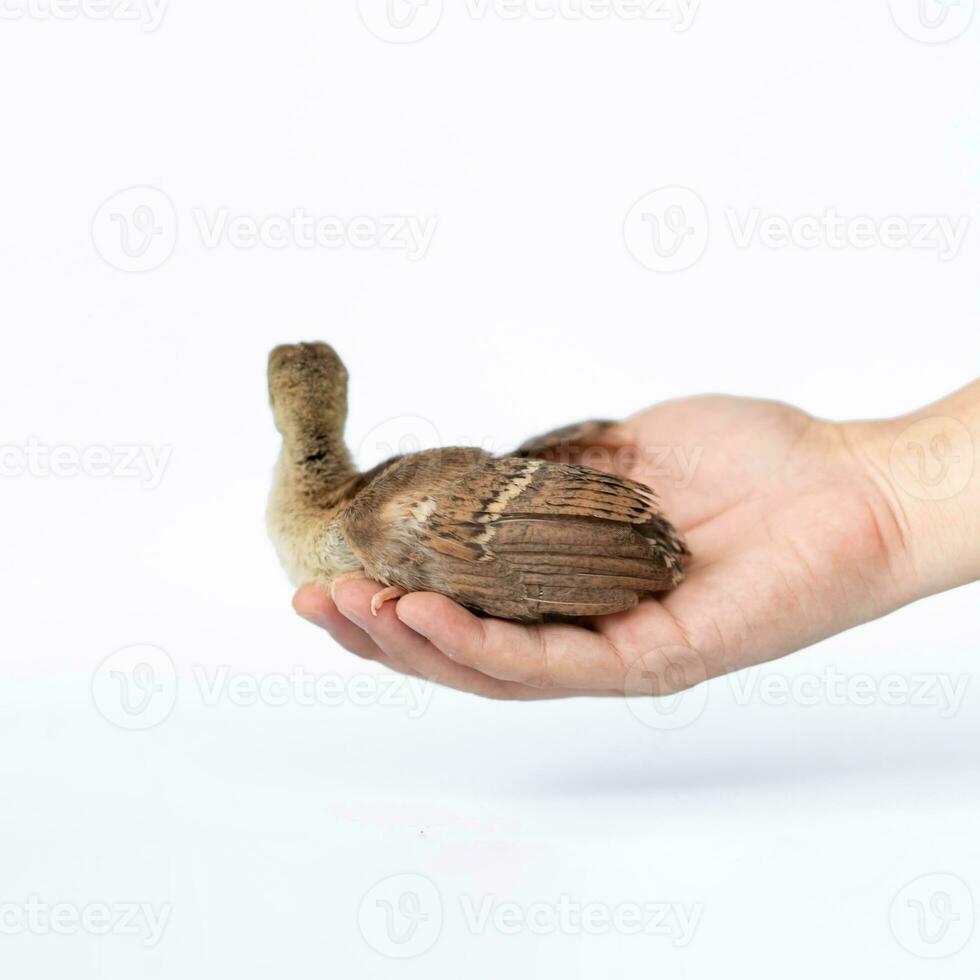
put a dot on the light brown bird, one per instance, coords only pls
(520, 537)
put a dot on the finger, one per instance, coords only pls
(547, 657)
(407, 647)
(315, 605)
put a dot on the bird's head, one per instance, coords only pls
(307, 389)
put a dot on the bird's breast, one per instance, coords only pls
(334, 553)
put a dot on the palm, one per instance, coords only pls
(785, 534)
(784, 531)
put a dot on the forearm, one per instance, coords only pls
(927, 465)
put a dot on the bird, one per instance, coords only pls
(522, 537)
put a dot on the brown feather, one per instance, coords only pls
(515, 537)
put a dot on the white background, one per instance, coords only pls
(790, 829)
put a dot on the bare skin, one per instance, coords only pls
(799, 528)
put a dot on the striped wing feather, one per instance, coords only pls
(518, 538)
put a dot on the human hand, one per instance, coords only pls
(797, 531)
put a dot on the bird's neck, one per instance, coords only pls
(314, 465)
(303, 521)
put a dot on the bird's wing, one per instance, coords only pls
(517, 538)
(594, 432)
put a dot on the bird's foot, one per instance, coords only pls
(385, 595)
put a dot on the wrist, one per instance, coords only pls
(926, 467)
